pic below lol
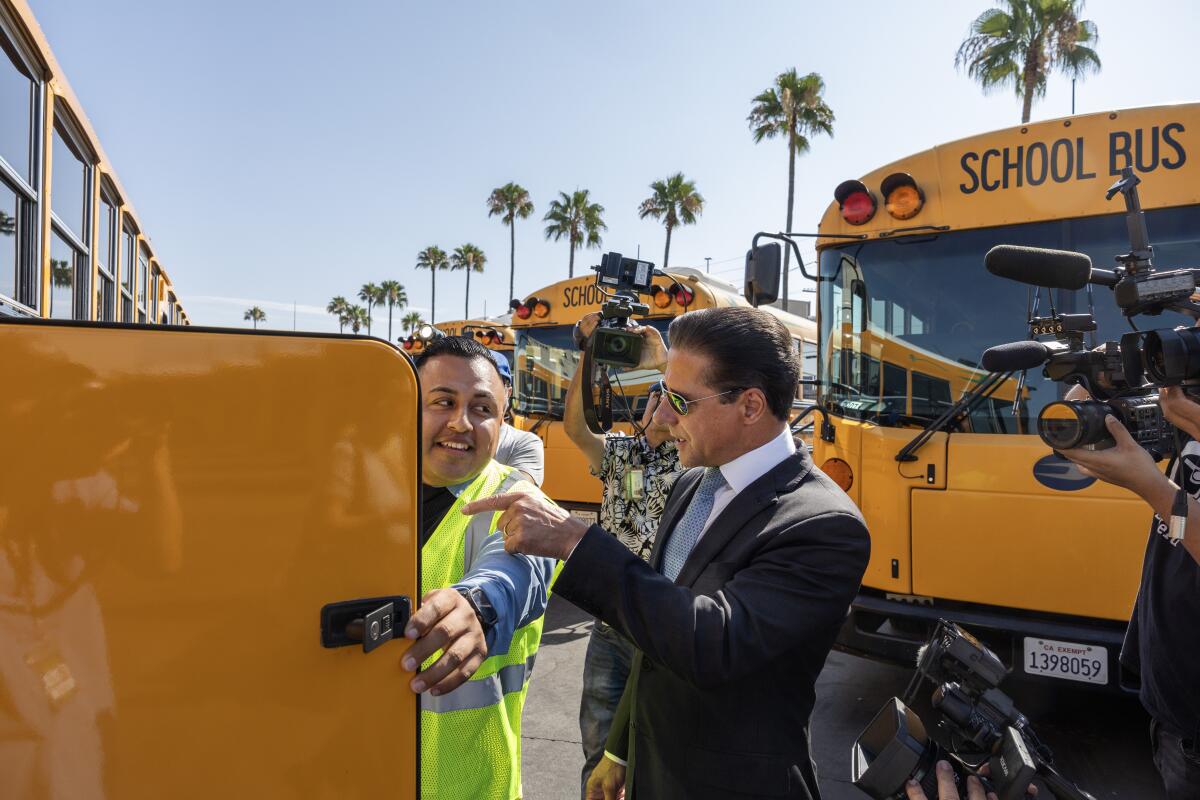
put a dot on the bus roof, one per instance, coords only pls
(1042, 171)
(571, 299)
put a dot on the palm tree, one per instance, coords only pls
(470, 258)
(510, 202)
(357, 317)
(411, 321)
(574, 217)
(676, 202)
(61, 274)
(370, 293)
(794, 108)
(338, 306)
(1022, 43)
(432, 258)
(393, 295)
(256, 315)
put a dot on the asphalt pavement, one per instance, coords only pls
(1099, 740)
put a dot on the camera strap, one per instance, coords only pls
(1177, 525)
(599, 420)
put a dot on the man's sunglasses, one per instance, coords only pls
(679, 404)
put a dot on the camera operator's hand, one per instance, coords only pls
(654, 349)
(1180, 410)
(588, 324)
(1126, 465)
(948, 791)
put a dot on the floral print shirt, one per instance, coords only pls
(637, 480)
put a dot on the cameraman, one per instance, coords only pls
(637, 473)
(1162, 643)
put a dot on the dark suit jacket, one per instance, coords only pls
(721, 690)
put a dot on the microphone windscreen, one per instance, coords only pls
(1015, 356)
(1053, 269)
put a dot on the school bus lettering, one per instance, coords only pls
(586, 295)
(1064, 160)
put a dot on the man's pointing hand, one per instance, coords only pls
(531, 524)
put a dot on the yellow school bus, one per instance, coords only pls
(71, 245)
(984, 524)
(546, 358)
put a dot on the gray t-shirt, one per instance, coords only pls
(522, 450)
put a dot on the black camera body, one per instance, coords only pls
(1123, 377)
(612, 344)
(978, 724)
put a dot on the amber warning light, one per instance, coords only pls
(902, 198)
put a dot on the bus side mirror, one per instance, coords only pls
(762, 274)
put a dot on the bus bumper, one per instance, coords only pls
(888, 629)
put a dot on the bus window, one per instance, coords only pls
(69, 187)
(143, 276)
(19, 111)
(67, 281)
(128, 260)
(106, 260)
(930, 395)
(895, 389)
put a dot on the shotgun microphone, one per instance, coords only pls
(1052, 269)
(1015, 356)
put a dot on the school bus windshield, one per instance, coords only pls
(547, 359)
(906, 320)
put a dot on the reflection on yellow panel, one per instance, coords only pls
(175, 510)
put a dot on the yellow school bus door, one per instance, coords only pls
(180, 513)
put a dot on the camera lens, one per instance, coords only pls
(893, 749)
(617, 345)
(1067, 424)
(1172, 356)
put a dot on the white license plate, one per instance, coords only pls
(1068, 660)
(590, 517)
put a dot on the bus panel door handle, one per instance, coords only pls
(371, 621)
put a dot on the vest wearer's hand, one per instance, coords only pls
(445, 621)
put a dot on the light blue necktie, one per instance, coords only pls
(687, 530)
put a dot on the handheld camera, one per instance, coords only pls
(1122, 377)
(612, 344)
(977, 724)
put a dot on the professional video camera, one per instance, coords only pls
(612, 344)
(977, 724)
(1123, 377)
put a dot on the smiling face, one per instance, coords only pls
(464, 406)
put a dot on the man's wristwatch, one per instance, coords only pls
(481, 606)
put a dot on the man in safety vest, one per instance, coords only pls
(480, 619)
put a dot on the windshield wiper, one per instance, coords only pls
(955, 414)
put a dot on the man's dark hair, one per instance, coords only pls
(747, 348)
(459, 347)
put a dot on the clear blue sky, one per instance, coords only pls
(289, 152)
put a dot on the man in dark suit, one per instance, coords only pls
(758, 557)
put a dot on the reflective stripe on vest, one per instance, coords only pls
(482, 693)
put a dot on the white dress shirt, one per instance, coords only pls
(746, 469)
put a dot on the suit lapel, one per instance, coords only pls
(784, 477)
(680, 497)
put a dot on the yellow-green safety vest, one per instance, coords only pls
(471, 737)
